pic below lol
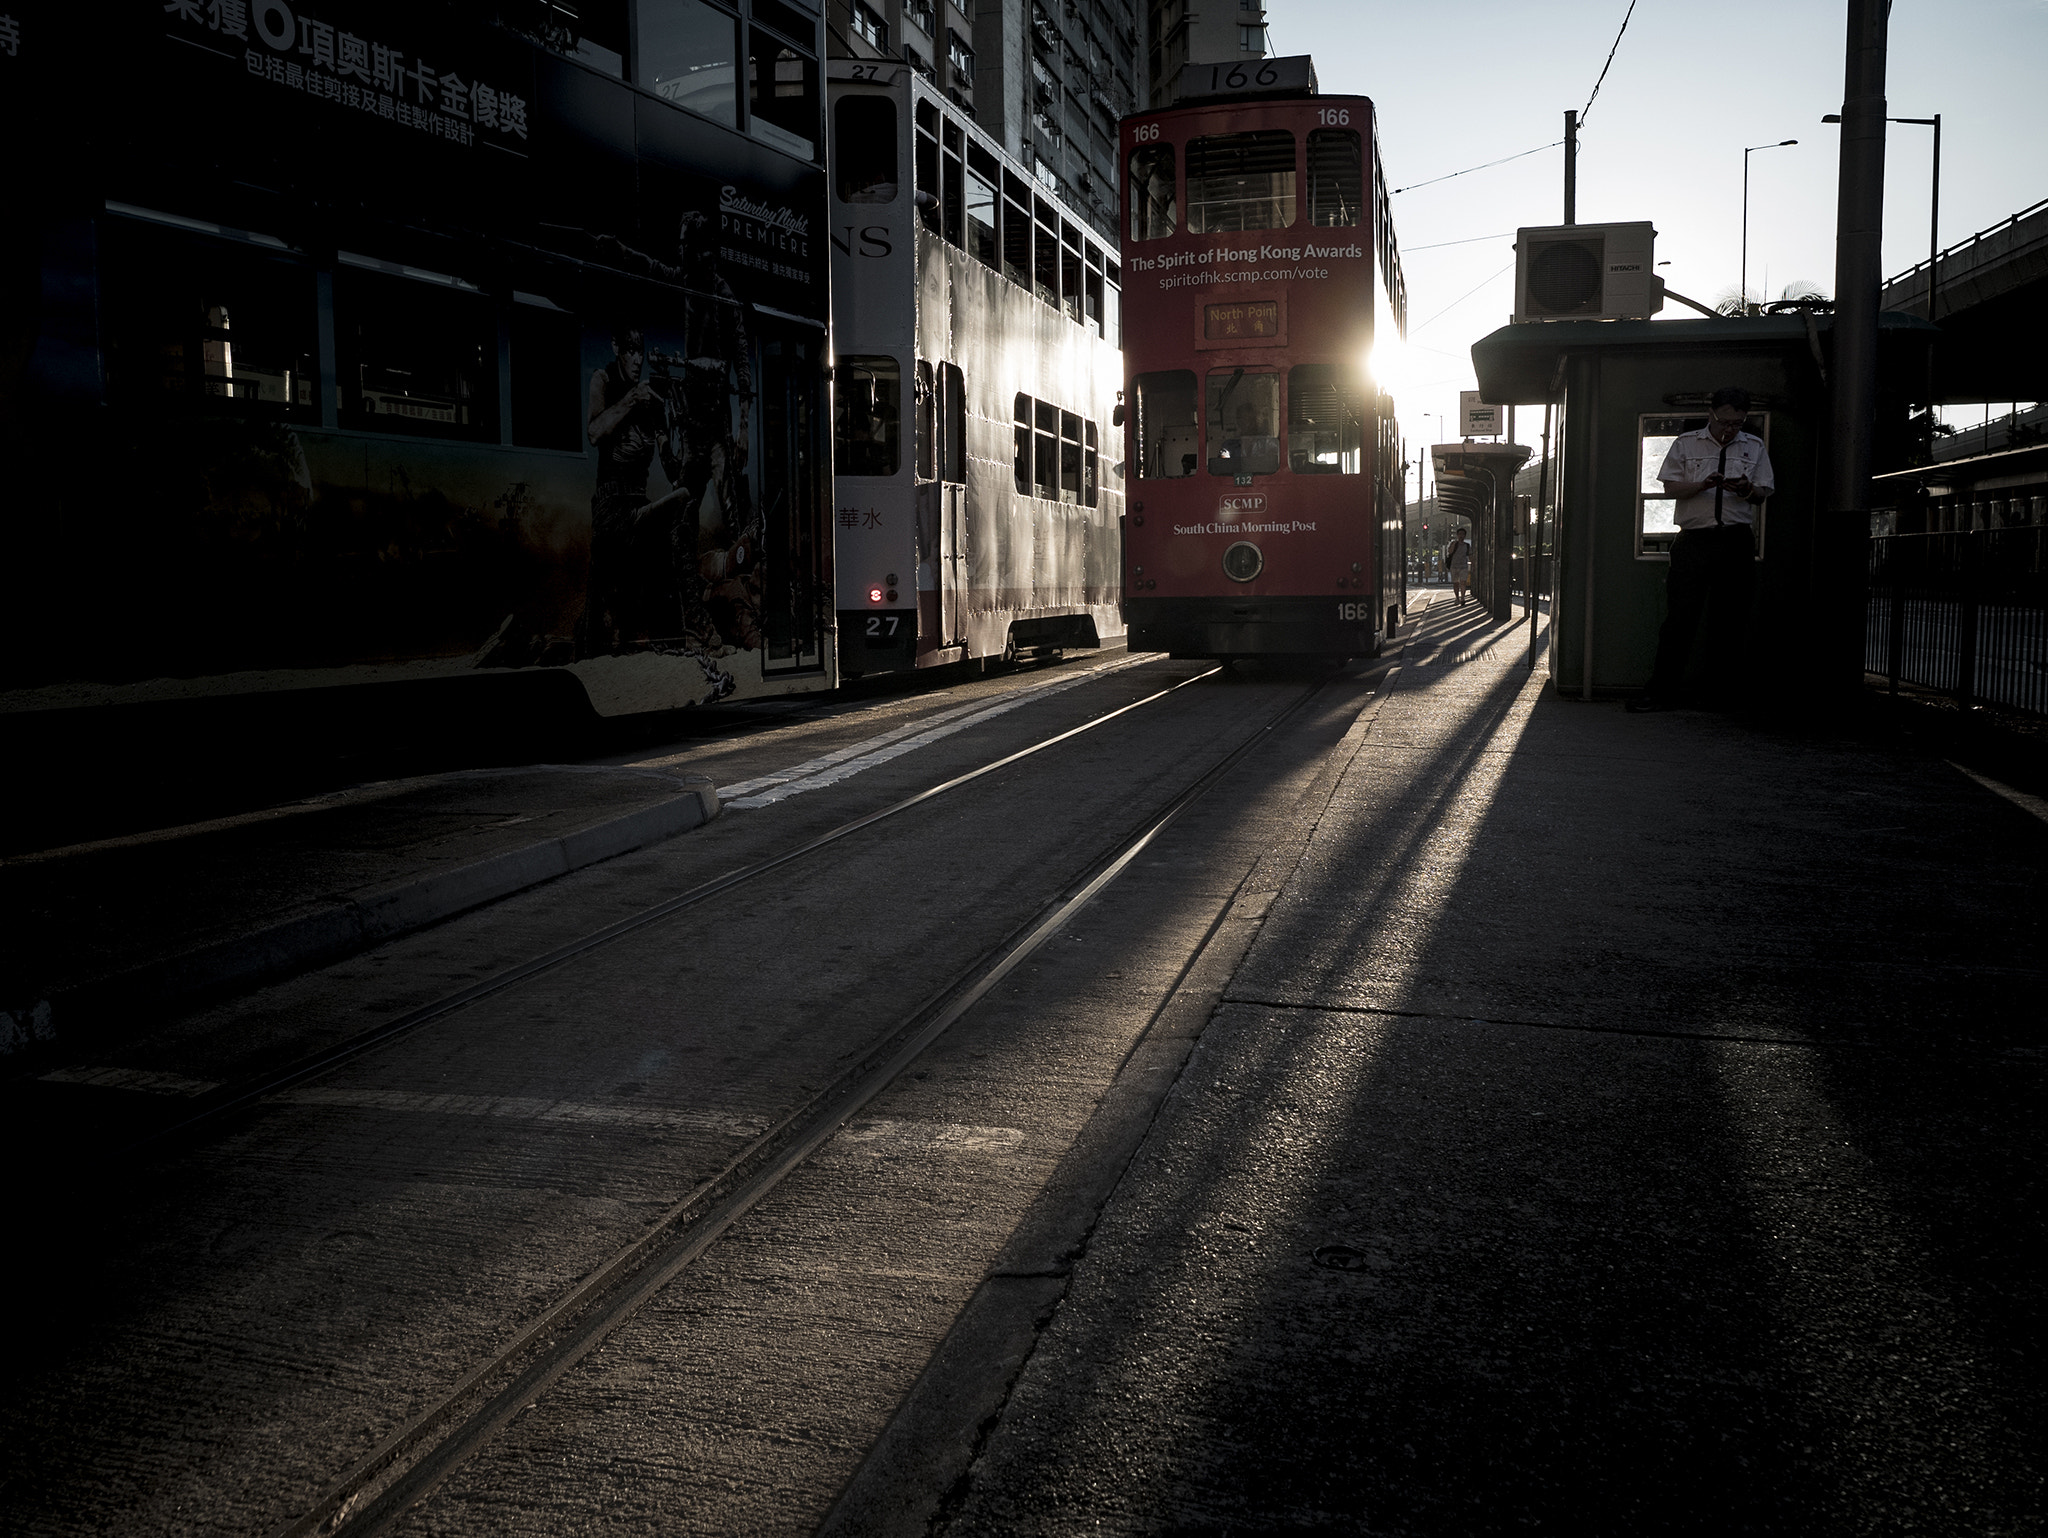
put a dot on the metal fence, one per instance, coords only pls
(1962, 612)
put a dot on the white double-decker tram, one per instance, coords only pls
(978, 472)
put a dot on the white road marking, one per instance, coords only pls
(526, 1108)
(146, 1080)
(2018, 798)
(844, 763)
(879, 1137)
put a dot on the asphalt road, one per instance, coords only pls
(227, 1327)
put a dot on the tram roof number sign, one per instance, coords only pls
(1477, 418)
(1223, 321)
(1292, 76)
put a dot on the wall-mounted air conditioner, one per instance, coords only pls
(1587, 272)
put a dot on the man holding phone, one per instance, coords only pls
(1718, 477)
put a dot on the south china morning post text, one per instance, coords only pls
(1291, 526)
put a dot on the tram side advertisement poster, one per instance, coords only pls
(595, 460)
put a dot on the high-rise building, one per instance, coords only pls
(1179, 32)
(1048, 78)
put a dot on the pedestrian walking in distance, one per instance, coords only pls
(1458, 562)
(1719, 476)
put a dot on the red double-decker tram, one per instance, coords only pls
(1263, 464)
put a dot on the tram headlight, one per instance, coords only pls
(1243, 561)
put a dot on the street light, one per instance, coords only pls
(1744, 289)
(1933, 200)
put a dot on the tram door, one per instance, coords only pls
(791, 491)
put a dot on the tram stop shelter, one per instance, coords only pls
(1627, 389)
(1475, 485)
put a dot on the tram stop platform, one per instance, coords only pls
(107, 934)
(1619, 1124)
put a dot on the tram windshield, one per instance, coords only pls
(1242, 181)
(1153, 213)
(1167, 444)
(1325, 421)
(868, 397)
(865, 149)
(1244, 417)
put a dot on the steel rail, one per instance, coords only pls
(414, 1459)
(236, 1097)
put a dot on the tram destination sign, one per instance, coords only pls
(1225, 322)
(1292, 76)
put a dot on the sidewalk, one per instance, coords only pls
(1621, 1124)
(102, 936)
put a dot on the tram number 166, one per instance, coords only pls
(1334, 115)
(1355, 611)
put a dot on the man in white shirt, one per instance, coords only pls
(1719, 476)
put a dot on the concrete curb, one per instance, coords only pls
(99, 1010)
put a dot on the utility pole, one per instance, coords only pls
(1842, 537)
(1571, 168)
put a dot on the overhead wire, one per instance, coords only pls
(1608, 65)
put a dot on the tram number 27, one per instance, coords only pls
(1356, 611)
(882, 627)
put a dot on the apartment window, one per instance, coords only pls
(688, 55)
(1244, 422)
(1336, 181)
(869, 27)
(959, 56)
(1153, 214)
(920, 11)
(1252, 39)
(864, 149)
(782, 94)
(1242, 181)
(415, 357)
(867, 399)
(920, 63)
(1325, 421)
(1167, 445)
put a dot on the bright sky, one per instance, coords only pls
(1690, 87)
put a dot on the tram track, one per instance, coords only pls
(412, 1460)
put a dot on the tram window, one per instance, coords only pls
(209, 327)
(782, 94)
(928, 165)
(984, 183)
(950, 141)
(1242, 181)
(1016, 230)
(686, 55)
(953, 441)
(1046, 442)
(864, 147)
(1095, 301)
(1167, 448)
(1023, 436)
(1071, 489)
(867, 398)
(1090, 490)
(1112, 307)
(926, 435)
(1336, 186)
(1045, 269)
(1325, 421)
(1244, 415)
(1070, 271)
(548, 403)
(415, 358)
(1153, 213)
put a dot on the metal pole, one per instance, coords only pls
(1934, 226)
(1571, 168)
(1536, 533)
(1841, 566)
(1742, 289)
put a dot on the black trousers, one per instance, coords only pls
(1709, 582)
